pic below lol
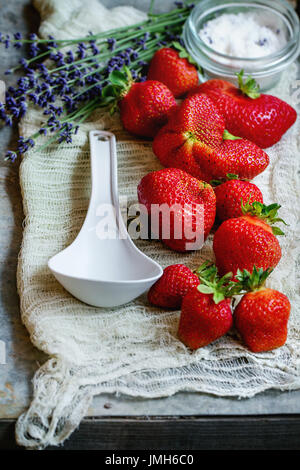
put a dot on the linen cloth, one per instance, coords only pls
(132, 349)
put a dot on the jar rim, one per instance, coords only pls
(293, 27)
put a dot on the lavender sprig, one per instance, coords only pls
(69, 86)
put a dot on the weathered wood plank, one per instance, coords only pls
(206, 433)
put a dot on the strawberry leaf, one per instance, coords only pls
(249, 87)
(178, 46)
(207, 271)
(205, 289)
(215, 182)
(229, 176)
(277, 231)
(108, 91)
(218, 297)
(224, 279)
(265, 213)
(228, 136)
(249, 282)
(183, 54)
(118, 78)
(119, 84)
(212, 284)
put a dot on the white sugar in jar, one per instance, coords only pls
(260, 37)
(245, 35)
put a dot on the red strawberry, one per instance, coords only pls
(249, 240)
(261, 317)
(174, 70)
(230, 194)
(205, 311)
(261, 118)
(202, 321)
(195, 140)
(192, 201)
(174, 284)
(144, 106)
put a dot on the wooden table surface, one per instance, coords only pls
(184, 421)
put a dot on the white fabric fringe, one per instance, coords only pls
(133, 349)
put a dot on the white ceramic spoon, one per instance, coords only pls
(104, 272)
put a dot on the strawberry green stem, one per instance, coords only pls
(249, 87)
(250, 282)
(266, 213)
(211, 283)
(228, 136)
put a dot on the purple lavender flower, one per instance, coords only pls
(23, 62)
(18, 37)
(54, 124)
(81, 48)
(2, 112)
(34, 50)
(7, 41)
(75, 84)
(142, 63)
(33, 97)
(22, 109)
(10, 155)
(70, 57)
(66, 133)
(24, 144)
(134, 55)
(111, 43)
(51, 44)
(8, 120)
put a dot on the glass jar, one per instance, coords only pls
(267, 69)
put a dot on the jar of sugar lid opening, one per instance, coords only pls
(260, 37)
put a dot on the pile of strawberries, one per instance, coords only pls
(211, 146)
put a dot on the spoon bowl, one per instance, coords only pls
(103, 267)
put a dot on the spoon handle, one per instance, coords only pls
(103, 168)
(104, 201)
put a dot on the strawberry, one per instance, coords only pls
(205, 312)
(261, 118)
(144, 106)
(174, 284)
(187, 199)
(230, 194)
(202, 321)
(195, 140)
(242, 242)
(174, 69)
(261, 317)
